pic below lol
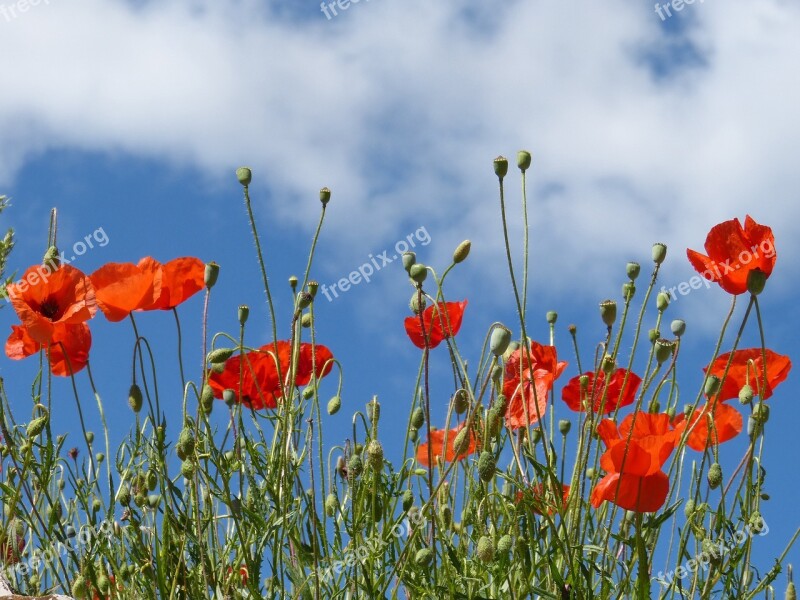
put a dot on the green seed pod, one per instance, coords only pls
(229, 397)
(499, 341)
(245, 176)
(413, 434)
(306, 320)
(408, 500)
(334, 404)
(551, 316)
(460, 401)
(96, 505)
(746, 394)
(653, 335)
(564, 425)
(497, 373)
(632, 269)
(312, 287)
(485, 551)
(628, 291)
(188, 468)
(211, 274)
(607, 365)
(355, 467)
(409, 260)
(242, 313)
(418, 418)
(711, 386)
(424, 557)
(608, 312)
(678, 327)
(99, 457)
(756, 280)
(152, 480)
(659, 253)
(590, 473)
(331, 505)
(761, 413)
(89, 437)
(417, 303)
(304, 300)
(500, 166)
(523, 160)
(135, 398)
(664, 350)
(375, 455)
(220, 355)
(124, 496)
(153, 500)
(462, 251)
(662, 301)
(714, 476)
(418, 272)
(325, 196)
(486, 466)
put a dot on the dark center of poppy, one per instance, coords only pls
(49, 308)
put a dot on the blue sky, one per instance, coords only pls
(132, 116)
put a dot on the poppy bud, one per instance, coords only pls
(304, 300)
(445, 514)
(504, 546)
(242, 314)
(791, 592)
(688, 508)
(564, 425)
(552, 317)
(306, 320)
(714, 476)
(497, 373)
(412, 434)
(375, 454)
(501, 402)
(417, 418)
(211, 274)
(678, 327)
(79, 589)
(761, 413)
(628, 291)
(632, 269)
(36, 426)
(711, 386)
(460, 402)
(524, 160)
(308, 391)
(462, 251)
(188, 469)
(51, 258)
(501, 338)
(500, 166)
(662, 301)
(207, 399)
(245, 176)
(485, 550)
(608, 312)
(512, 347)
(334, 404)
(324, 196)
(756, 280)
(659, 252)
(374, 410)
(424, 557)
(220, 355)
(486, 466)
(461, 443)
(417, 303)
(536, 435)
(89, 437)
(355, 467)
(418, 272)
(608, 364)
(409, 260)
(590, 473)
(746, 394)
(494, 418)
(331, 504)
(135, 399)
(229, 396)
(653, 335)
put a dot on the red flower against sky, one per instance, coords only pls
(76, 340)
(709, 427)
(597, 390)
(748, 367)
(528, 382)
(442, 321)
(121, 288)
(260, 382)
(62, 297)
(634, 479)
(181, 278)
(438, 449)
(733, 252)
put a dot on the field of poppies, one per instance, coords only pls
(609, 484)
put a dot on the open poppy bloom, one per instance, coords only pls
(733, 252)
(61, 297)
(541, 498)
(260, 385)
(68, 351)
(121, 288)
(438, 449)
(607, 395)
(528, 382)
(710, 427)
(747, 367)
(634, 479)
(180, 278)
(442, 321)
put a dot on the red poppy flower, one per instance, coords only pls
(442, 321)
(733, 252)
(68, 351)
(748, 367)
(121, 288)
(240, 578)
(709, 427)
(45, 299)
(540, 497)
(538, 375)
(438, 449)
(634, 479)
(608, 397)
(181, 278)
(12, 543)
(260, 384)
